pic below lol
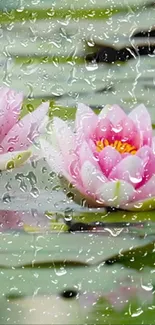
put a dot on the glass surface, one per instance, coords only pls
(63, 262)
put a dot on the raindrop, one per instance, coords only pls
(6, 198)
(61, 271)
(35, 192)
(44, 170)
(137, 313)
(70, 195)
(148, 287)
(35, 213)
(35, 2)
(8, 186)
(23, 186)
(92, 67)
(135, 180)
(91, 43)
(117, 129)
(10, 165)
(32, 178)
(138, 205)
(36, 275)
(28, 69)
(30, 108)
(56, 188)
(50, 12)
(68, 214)
(114, 231)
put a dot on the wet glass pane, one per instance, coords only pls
(77, 167)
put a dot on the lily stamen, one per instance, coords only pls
(122, 147)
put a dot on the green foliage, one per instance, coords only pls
(133, 313)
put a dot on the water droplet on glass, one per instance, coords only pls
(117, 129)
(30, 108)
(60, 271)
(137, 313)
(10, 165)
(148, 287)
(92, 67)
(6, 198)
(68, 214)
(138, 205)
(70, 195)
(32, 178)
(135, 180)
(35, 192)
(23, 186)
(8, 186)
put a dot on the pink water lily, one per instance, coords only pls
(17, 136)
(108, 158)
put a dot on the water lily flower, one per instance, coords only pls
(108, 158)
(17, 136)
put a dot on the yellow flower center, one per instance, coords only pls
(122, 147)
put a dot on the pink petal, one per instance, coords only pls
(92, 178)
(103, 130)
(85, 122)
(23, 133)
(146, 191)
(74, 170)
(56, 161)
(53, 157)
(10, 105)
(126, 131)
(108, 158)
(130, 169)
(114, 113)
(85, 153)
(115, 193)
(66, 140)
(142, 119)
(92, 146)
(148, 158)
(153, 145)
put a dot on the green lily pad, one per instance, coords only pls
(49, 248)
(137, 258)
(53, 265)
(104, 215)
(30, 14)
(146, 205)
(133, 313)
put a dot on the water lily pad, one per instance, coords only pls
(44, 248)
(146, 205)
(111, 216)
(136, 258)
(133, 313)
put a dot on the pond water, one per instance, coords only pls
(62, 263)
